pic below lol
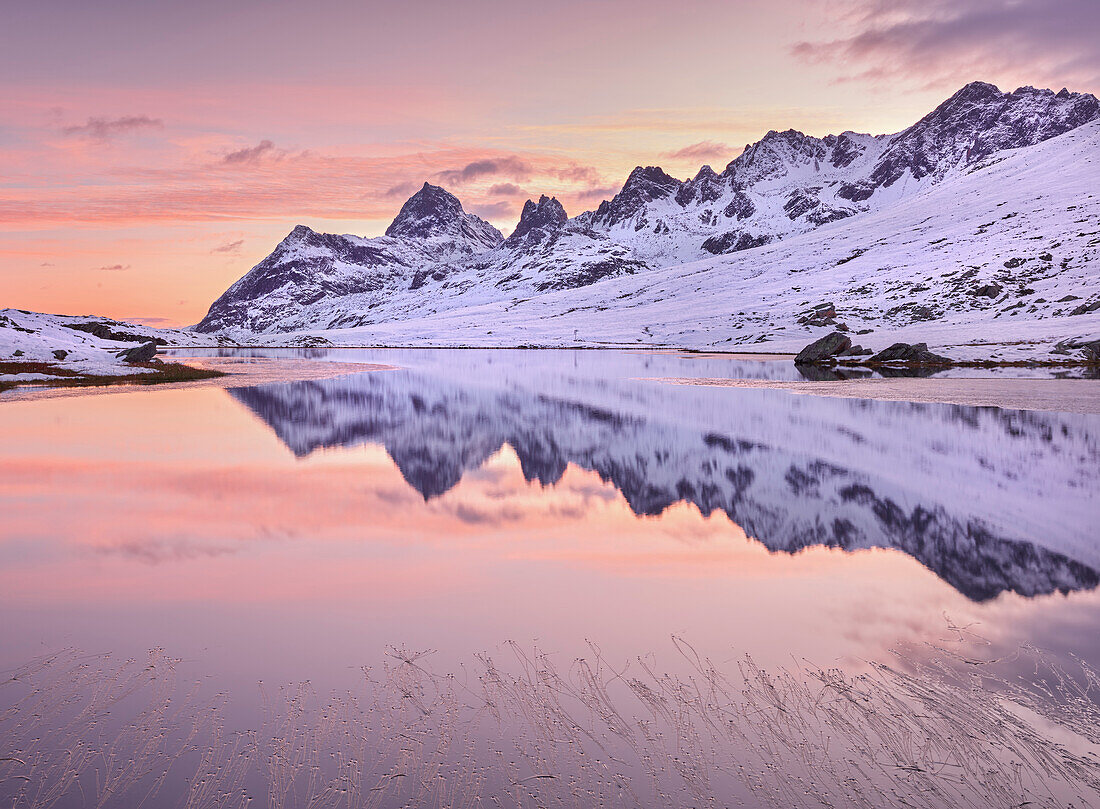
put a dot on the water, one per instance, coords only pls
(469, 525)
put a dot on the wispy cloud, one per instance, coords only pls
(944, 43)
(229, 247)
(107, 128)
(511, 167)
(506, 190)
(401, 190)
(495, 210)
(600, 192)
(252, 154)
(113, 268)
(701, 151)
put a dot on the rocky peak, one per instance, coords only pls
(546, 216)
(435, 212)
(975, 122)
(774, 154)
(644, 185)
(706, 186)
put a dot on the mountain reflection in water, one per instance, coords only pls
(990, 500)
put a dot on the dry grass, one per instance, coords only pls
(933, 728)
(162, 373)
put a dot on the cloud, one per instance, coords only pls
(252, 154)
(506, 190)
(603, 192)
(107, 128)
(46, 264)
(512, 167)
(495, 210)
(229, 247)
(114, 268)
(150, 321)
(401, 190)
(702, 151)
(938, 44)
(577, 174)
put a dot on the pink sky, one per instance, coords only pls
(151, 153)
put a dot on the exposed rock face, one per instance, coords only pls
(916, 354)
(643, 186)
(106, 332)
(733, 242)
(538, 220)
(433, 213)
(977, 121)
(827, 348)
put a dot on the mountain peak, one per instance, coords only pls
(428, 212)
(977, 90)
(546, 215)
(434, 212)
(651, 178)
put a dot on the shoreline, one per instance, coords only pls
(222, 372)
(1054, 395)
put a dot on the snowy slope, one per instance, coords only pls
(1005, 504)
(81, 344)
(976, 223)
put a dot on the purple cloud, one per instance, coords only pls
(945, 43)
(506, 190)
(107, 128)
(702, 151)
(511, 167)
(229, 247)
(251, 154)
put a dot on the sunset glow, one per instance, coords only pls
(151, 154)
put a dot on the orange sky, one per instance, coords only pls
(151, 153)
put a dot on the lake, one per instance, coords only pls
(543, 578)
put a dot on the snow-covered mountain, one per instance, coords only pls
(1004, 504)
(779, 206)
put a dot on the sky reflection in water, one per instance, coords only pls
(296, 531)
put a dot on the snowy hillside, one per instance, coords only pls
(975, 225)
(1006, 504)
(77, 345)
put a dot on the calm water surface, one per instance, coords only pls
(583, 580)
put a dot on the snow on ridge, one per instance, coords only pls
(965, 227)
(991, 264)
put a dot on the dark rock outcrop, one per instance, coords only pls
(105, 332)
(824, 350)
(904, 353)
(142, 353)
(538, 220)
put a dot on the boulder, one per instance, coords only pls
(1091, 351)
(916, 354)
(824, 350)
(987, 291)
(142, 353)
(60, 354)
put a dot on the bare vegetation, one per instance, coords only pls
(933, 728)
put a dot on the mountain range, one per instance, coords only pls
(910, 212)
